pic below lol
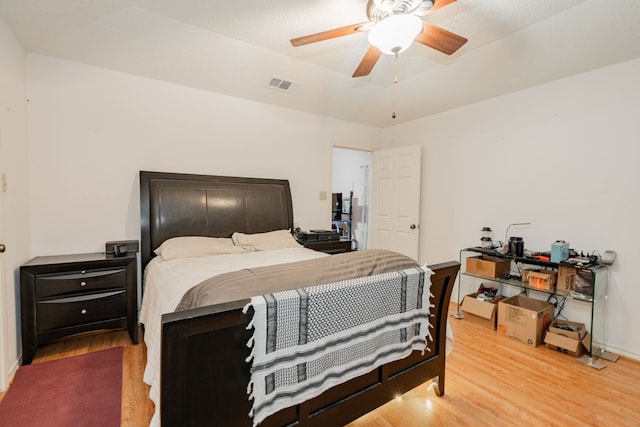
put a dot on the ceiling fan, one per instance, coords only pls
(392, 18)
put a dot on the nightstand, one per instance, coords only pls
(70, 294)
(330, 247)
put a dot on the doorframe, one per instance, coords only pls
(4, 333)
(368, 207)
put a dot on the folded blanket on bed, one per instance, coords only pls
(310, 339)
(242, 284)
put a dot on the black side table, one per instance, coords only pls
(70, 294)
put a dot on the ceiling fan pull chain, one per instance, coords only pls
(395, 84)
(395, 70)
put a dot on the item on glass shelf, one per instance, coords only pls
(559, 251)
(516, 246)
(485, 240)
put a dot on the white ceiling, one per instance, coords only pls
(236, 47)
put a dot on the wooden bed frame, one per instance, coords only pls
(204, 375)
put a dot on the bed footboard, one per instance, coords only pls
(204, 375)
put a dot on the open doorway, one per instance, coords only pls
(351, 181)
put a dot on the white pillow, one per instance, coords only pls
(279, 239)
(196, 246)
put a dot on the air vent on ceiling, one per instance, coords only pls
(283, 85)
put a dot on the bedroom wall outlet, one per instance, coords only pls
(323, 195)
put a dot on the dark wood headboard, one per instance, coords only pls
(173, 205)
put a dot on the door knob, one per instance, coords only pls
(412, 226)
(2, 248)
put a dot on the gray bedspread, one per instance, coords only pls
(250, 282)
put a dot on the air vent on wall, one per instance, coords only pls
(284, 85)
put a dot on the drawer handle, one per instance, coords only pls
(83, 311)
(83, 284)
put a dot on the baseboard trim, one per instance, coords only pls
(624, 353)
(10, 375)
(14, 370)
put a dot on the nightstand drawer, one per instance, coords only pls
(80, 281)
(71, 311)
(330, 247)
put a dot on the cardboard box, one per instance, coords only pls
(483, 313)
(543, 279)
(524, 319)
(586, 342)
(566, 336)
(488, 266)
(525, 274)
(566, 279)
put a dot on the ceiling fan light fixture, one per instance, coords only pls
(395, 33)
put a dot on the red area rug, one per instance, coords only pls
(83, 390)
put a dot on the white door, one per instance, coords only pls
(395, 200)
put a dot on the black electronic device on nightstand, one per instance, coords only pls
(322, 241)
(70, 294)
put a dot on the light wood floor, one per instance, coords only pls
(491, 381)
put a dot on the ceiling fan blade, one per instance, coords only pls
(326, 35)
(440, 39)
(368, 61)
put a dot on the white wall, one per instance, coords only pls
(14, 202)
(563, 156)
(91, 130)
